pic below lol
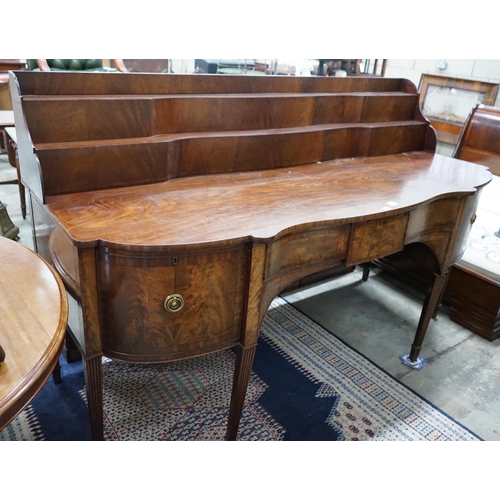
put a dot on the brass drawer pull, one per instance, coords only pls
(174, 303)
(473, 218)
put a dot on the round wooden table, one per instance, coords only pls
(33, 318)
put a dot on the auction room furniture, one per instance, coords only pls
(176, 207)
(350, 66)
(353, 67)
(87, 65)
(375, 67)
(7, 227)
(146, 65)
(473, 288)
(213, 66)
(34, 312)
(446, 102)
(5, 66)
(6, 120)
(11, 139)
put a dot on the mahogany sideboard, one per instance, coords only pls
(176, 207)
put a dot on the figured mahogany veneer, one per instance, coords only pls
(224, 190)
(34, 312)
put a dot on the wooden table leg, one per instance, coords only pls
(93, 385)
(243, 368)
(367, 267)
(440, 298)
(432, 298)
(56, 373)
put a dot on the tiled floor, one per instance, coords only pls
(378, 318)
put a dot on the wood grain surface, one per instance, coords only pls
(261, 205)
(223, 190)
(34, 311)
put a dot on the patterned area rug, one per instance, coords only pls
(306, 385)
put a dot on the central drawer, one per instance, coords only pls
(307, 249)
(160, 307)
(378, 238)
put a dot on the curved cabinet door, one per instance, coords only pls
(158, 307)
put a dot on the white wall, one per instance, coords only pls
(183, 65)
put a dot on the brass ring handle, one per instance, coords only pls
(174, 303)
(473, 218)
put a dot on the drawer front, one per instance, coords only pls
(306, 249)
(376, 239)
(135, 322)
(468, 218)
(439, 214)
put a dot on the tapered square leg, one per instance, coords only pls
(242, 372)
(432, 298)
(93, 384)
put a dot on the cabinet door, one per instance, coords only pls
(205, 292)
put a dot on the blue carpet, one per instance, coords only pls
(306, 385)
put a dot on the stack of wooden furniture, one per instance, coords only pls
(176, 207)
(354, 67)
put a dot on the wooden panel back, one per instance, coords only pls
(95, 132)
(102, 118)
(67, 83)
(108, 166)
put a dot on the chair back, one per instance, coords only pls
(90, 65)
